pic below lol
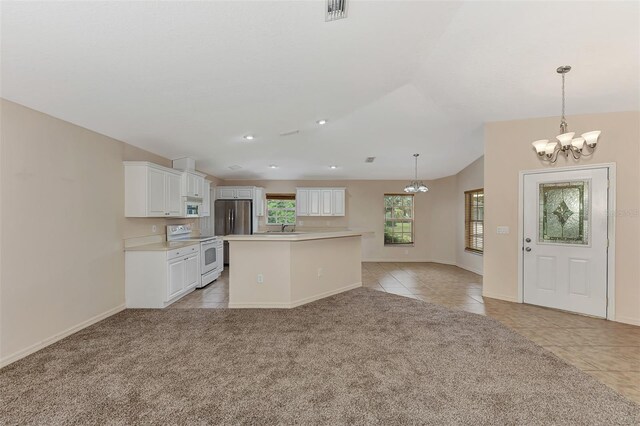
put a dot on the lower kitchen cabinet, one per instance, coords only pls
(157, 278)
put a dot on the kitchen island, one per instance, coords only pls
(285, 270)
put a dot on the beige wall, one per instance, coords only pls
(62, 227)
(471, 177)
(508, 151)
(435, 225)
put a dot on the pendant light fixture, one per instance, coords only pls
(415, 186)
(578, 147)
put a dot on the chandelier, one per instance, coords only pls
(415, 186)
(578, 147)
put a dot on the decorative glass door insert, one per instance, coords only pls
(564, 212)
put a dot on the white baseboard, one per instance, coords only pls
(58, 336)
(284, 305)
(470, 269)
(499, 297)
(627, 320)
(402, 260)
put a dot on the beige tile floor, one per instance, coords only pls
(607, 350)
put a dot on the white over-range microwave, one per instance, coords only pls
(191, 208)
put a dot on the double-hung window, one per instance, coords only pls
(474, 220)
(281, 209)
(398, 219)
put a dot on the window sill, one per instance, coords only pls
(476, 252)
(400, 245)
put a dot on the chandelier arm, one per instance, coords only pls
(575, 153)
(554, 157)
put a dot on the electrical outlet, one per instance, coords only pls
(320, 272)
(301, 222)
(154, 228)
(260, 279)
(406, 252)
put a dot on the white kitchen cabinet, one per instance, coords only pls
(320, 201)
(314, 202)
(226, 193)
(157, 278)
(156, 192)
(338, 196)
(259, 201)
(151, 190)
(192, 184)
(177, 278)
(302, 202)
(326, 202)
(206, 200)
(245, 193)
(192, 272)
(173, 201)
(235, 193)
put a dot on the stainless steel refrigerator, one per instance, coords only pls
(233, 217)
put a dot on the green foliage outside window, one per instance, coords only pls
(398, 215)
(281, 212)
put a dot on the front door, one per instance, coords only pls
(565, 240)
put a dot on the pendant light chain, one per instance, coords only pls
(563, 121)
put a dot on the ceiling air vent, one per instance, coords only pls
(370, 159)
(336, 9)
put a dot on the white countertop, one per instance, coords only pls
(293, 236)
(162, 246)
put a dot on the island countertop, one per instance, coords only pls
(293, 236)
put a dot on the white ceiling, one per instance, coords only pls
(191, 78)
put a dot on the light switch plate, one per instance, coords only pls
(502, 230)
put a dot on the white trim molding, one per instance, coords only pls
(470, 269)
(611, 231)
(401, 260)
(500, 297)
(58, 336)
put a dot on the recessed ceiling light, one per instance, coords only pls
(273, 166)
(322, 121)
(249, 137)
(332, 167)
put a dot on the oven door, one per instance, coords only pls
(209, 257)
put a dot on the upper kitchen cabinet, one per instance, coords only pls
(259, 201)
(206, 200)
(235, 192)
(320, 201)
(151, 190)
(193, 184)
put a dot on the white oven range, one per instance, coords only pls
(211, 251)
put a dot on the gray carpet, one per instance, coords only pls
(361, 357)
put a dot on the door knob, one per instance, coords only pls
(527, 249)
(528, 240)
